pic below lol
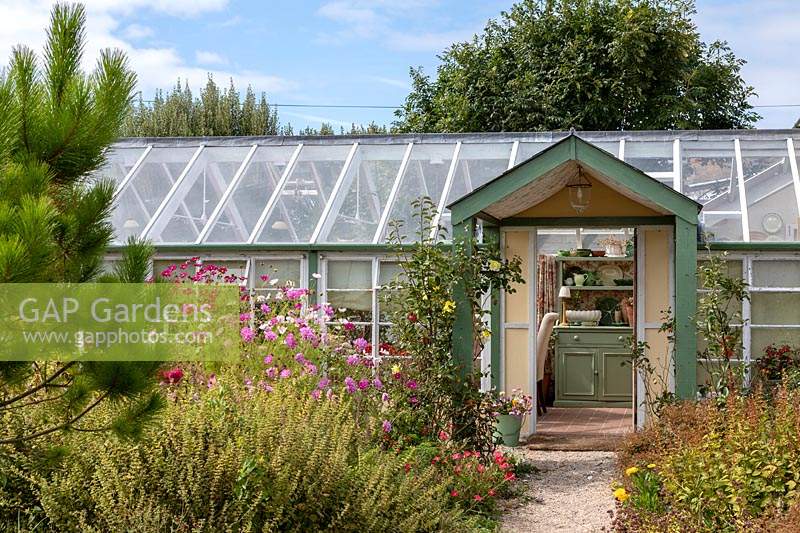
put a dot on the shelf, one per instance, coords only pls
(590, 259)
(600, 287)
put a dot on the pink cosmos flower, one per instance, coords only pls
(477, 498)
(264, 277)
(172, 376)
(310, 368)
(247, 334)
(285, 373)
(454, 493)
(350, 384)
(443, 435)
(324, 382)
(413, 400)
(363, 384)
(387, 426)
(411, 384)
(212, 381)
(265, 309)
(306, 333)
(268, 359)
(360, 344)
(349, 326)
(272, 372)
(299, 358)
(244, 317)
(353, 360)
(377, 383)
(289, 341)
(316, 394)
(270, 335)
(385, 397)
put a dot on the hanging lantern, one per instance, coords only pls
(580, 192)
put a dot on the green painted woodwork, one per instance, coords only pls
(589, 366)
(752, 246)
(576, 374)
(491, 236)
(568, 149)
(313, 268)
(462, 327)
(617, 378)
(685, 344)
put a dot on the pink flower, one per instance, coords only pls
(413, 400)
(349, 326)
(268, 359)
(270, 335)
(265, 309)
(324, 382)
(272, 372)
(360, 344)
(247, 334)
(300, 359)
(285, 373)
(212, 381)
(363, 384)
(310, 368)
(454, 493)
(306, 333)
(172, 376)
(387, 426)
(353, 360)
(350, 384)
(316, 394)
(244, 317)
(377, 383)
(411, 384)
(385, 397)
(264, 277)
(443, 435)
(477, 498)
(492, 492)
(509, 476)
(289, 341)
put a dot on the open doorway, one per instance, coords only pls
(585, 317)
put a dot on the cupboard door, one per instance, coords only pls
(577, 374)
(616, 375)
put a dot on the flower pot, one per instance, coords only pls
(507, 427)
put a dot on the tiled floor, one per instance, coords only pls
(586, 421)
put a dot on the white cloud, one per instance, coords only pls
(137, 31)
(403, 84)
(205, 57)
(25, 22)
(381, 20)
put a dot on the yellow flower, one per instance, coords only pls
(494, 265)
(631, 471)
(449, 306)
(395, 369)
(651, 465)
(621, 494)
(486, 333)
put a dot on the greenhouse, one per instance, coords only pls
(317, 212)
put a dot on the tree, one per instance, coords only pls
(587, 64)
(57, 124)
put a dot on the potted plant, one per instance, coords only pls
(510, 412)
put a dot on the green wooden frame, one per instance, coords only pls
(682, 217)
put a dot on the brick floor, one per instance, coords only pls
(586, 421)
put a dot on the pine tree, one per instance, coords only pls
(57, 124)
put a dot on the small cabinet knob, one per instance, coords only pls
(575, 337)
(596, 372)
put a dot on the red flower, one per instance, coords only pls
(412, 317)
(477, 498)
(509, 476)
(406, 467)
(492, 492)
(172, 376)
(454, 493)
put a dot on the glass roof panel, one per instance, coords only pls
(709, 175)
(303, 197)
(526, 150)
(425, 175)
(654, 158)
(356, 212)
(119, 161)
(478, 164)
(240, 213)
(768, 185)
(148, 187)
(722, 226)
(187, 212)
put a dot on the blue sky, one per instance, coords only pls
(359, 51)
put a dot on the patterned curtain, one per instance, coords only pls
(546, 297)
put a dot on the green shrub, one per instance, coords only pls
(246, 461)
(721, 468)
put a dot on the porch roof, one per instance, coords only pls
(544, 174)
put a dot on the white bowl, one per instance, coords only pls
(584, 316)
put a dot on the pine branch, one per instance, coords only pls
(39, 387)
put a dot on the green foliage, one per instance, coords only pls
(718, 320)
(58, 123)
(587, 64)
(729, 468)
(423, 313)
(235, 460)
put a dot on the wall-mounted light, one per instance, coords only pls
(580, 191)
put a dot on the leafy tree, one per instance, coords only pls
(214, 113)
(57, 124)
(587, 64)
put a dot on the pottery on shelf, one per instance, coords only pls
(579, 279)
(584, 316)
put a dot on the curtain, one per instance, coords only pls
(546, 297)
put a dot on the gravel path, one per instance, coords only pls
(569, 492)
